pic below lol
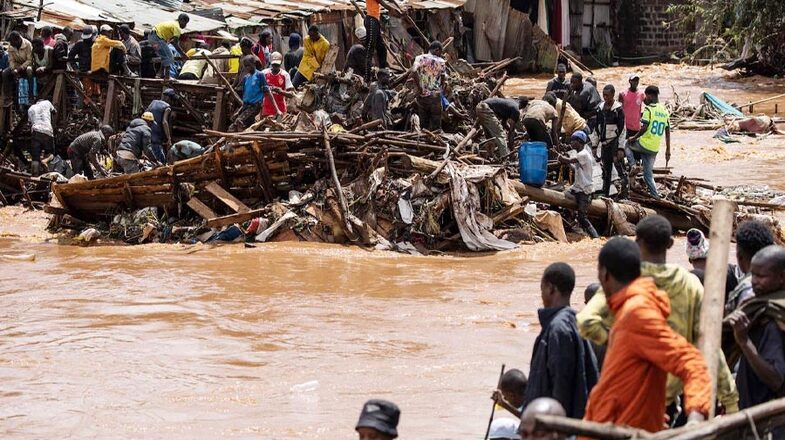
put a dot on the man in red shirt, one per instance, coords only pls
(263, 47)
(280, 84)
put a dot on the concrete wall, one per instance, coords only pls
(641, 28)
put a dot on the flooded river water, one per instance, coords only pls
(283, 340)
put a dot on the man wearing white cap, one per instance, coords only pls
(504, 429)
(108, 55)
(356, 57)
(632, 103)
(280, 84)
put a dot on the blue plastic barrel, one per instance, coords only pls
(533, 163)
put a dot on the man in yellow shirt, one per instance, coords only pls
(101, 59)
(316, 48)
(654, 124)
(571, 121)
(240, 49)
(163, 33)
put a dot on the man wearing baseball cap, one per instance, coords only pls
(134, 143)
(280, 84)
(583, 165)
(355, 58)
(378, 420)
(632, 104)
(108, 55)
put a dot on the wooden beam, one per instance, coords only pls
(219, 165)
(200, 208)
(220, 111)
(265, 179)
(128, 195)
(110, 101)
(224, 196)
(235, 218)
(609, 431)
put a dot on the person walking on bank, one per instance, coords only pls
(496, 115)
(632, 102)
(655, 122)
(610, 135)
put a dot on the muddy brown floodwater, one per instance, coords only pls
(287, 340)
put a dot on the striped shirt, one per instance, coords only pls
(85, 143)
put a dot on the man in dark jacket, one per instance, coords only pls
(609, 131)
(135, 142)
(563, 365)
(584, 99)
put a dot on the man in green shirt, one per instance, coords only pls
(654, 125)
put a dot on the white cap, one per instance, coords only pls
(276, 58)
(106, 28)
(360, 32)
(504, 428)
(634, 76)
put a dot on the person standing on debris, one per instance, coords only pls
(570, 120)
(655, 122)
(374, 44)
(254, 90)
(164, 33)
(654, 236)
(527, 429)
(162, 128)
(760, 337)
(42, 140)
(42, 61)
(316, 48)
(632, 102)
(194, 68)
(84, 149)
(20, 62)
(241, 49)
(535, 120)
(377, 102)
(356, 57)
(631, 390)
(609, 136)
(751, 237)
(511, 395)
(147, 68)
(47, 36)
(263, 47)
(135, 143)
(584, 99)
(429, 72)
(563, 365)
(498, 114)
(378, 420)
(183, 150)
(295, 54)
(108, 54)
(133, 51)
(60, 53)
(80, 59)
(280, 86)
(559, 85)
(583, 188)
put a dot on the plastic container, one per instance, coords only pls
(533, 163)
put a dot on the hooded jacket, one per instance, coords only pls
(642, 348)
(685, 293)
(136, 139)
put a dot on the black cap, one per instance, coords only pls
(380, 415)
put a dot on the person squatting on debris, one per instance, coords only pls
(183, 150)
(751, 237)
(536, 116)
(655, 122)
(280, 86)
(162, 35)
(498, 114)
(42, 139)
(194, 68)
(609, 135)
(654, 236)
(162, 128)
(559, 84)
(84, 149)
(631, 390)
(254, 88)
(314, 53)
(356, 57)
(583, 187)
(377, 103)
(135, 143)
(374, 44)
(511, 394)
(429, 72)
(563, 365)
(378, 420)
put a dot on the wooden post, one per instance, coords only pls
(110, 100)
(714, 290)
(220, 111)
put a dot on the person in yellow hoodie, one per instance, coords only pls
(102, 59)
(316, 48)
(654, 237)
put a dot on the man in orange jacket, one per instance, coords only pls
(642, 349)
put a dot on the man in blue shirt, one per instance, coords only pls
(162, 129)
(254, 89)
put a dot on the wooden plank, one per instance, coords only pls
(219, 165)
(220, 111)
(128, 196)
(264, 171)
(224, 196)
(328, 65)
(235, 218)
(200, 208)
(59, 93)
(110, 101)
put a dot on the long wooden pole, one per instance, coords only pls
(761, 101)
(337, 184)
(714, 288)
(493, 408)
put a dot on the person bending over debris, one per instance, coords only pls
(761, 372)
(584, 99)
(563, 364)
(570, 120)
(316, 48)
(631, 390)
(194, 68)
(42, 141)
(183, 150)
(511, 394)
(162, 129)
(655, 122)
(84, 149)
(429, 71)
(356, 57)
(280, 86)
(610, 132)
(377, 103)
(163, 33)
(254, 89)
(559, 85)
(583, 188)
(498, 114)
(536, 117)
(378, 420)
(134, 143)
(542, 406)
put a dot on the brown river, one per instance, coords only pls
(288, 340)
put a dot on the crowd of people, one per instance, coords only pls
(629, 357)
